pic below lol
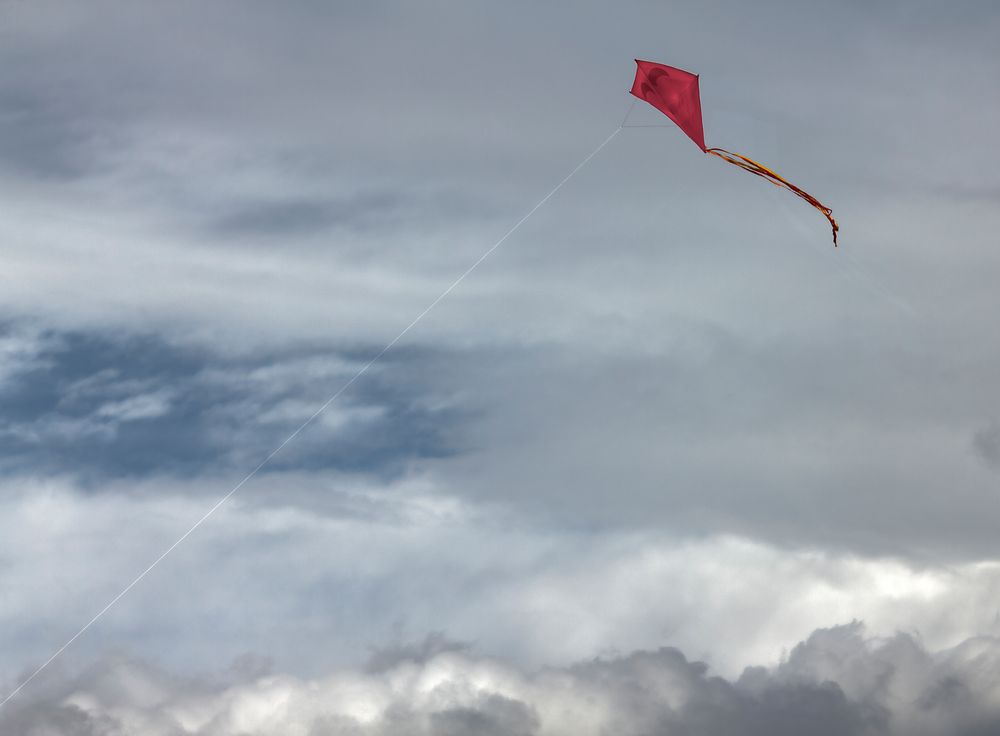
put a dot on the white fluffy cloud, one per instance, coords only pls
(367, 563)
(21, 349)
(837, 682)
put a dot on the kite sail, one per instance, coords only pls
(674, 92)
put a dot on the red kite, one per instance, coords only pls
(674, 92)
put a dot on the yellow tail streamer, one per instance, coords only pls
(762, 171)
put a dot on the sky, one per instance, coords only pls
(666, 461)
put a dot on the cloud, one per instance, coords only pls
(106, 404)
(23, 349)
(289, 219)
(43, 136)
(837, 682)
(134, 408)
(336, 569)
(432, 645)
(296, 119)
(986, 443)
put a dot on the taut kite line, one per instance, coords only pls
(674, 92)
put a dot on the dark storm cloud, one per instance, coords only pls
(986, 443)
(292, 217)
(41, 137)
(60, 721)
(104, 405)
(493, 715)
(400, 212)
(836, 683)
(386, 658)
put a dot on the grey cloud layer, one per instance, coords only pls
(510, 428)
(311, 570)
(836, 683)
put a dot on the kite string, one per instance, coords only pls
(364, 369)
(641, 125)
(627, 114)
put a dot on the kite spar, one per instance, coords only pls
(674, 92)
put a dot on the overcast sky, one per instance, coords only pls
(665, 462)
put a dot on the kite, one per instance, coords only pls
(674, 92)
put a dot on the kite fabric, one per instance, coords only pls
(674, 92)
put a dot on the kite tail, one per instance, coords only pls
(762, 171)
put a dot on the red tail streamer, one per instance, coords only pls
(748, 164)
